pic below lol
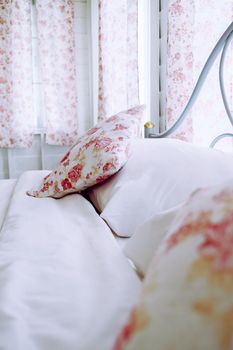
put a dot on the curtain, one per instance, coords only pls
(194, 26)
(118, 56)
(57, 58)
(16, 119)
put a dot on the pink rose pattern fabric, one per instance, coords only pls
(98, 154)
(181, 15)
(118, 56)
(192, 33)
(57, 57)
(16, 117)
(187, 296)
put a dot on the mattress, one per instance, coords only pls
(64, 281)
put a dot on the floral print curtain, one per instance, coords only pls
(194, 26)
(57, 58)
(118, 56)
(16, 119)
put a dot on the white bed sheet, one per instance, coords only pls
(6, 190)
(64, 282)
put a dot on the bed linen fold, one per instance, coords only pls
(6, 190)
(64, 282)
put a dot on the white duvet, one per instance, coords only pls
(64, 282)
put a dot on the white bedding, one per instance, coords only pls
(64, 282)
(6, 189)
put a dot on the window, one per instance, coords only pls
(37, 83)
(152, 32)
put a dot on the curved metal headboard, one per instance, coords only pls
(222, 44)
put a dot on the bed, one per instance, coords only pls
(72, 264)
(64, 282)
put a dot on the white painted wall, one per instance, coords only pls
(14, 162)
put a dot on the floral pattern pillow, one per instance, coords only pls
(187, 298)
(96, 155)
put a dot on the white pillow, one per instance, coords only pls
(141, 247)
(160, 174)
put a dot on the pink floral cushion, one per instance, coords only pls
(98, 154)
(186, 301)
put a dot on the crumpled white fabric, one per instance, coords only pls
(64, 282)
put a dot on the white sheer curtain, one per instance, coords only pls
(118, 56)
(16, 116)
(194, 26)
(55, 20)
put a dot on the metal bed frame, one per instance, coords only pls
(222, 45)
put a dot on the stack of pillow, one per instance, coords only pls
(183, 246)
(153, 185)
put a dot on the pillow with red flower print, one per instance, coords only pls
(186, 301)
(96, 155)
